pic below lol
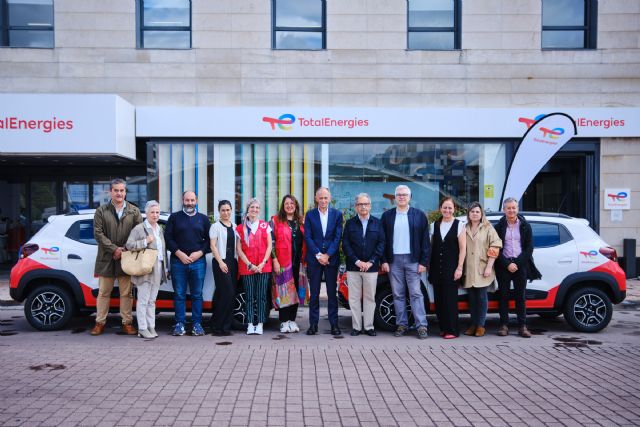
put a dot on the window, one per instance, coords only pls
(82, 231)
(299, 24)
(546, 234)
(164, 24)
(569, 24)
(27, 23)
(434, 24)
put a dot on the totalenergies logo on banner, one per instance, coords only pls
(285, 122)
(546, 132)
(619, 197)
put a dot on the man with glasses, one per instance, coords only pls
(363, 245)
(405, 258)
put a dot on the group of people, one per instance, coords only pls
(400, 243)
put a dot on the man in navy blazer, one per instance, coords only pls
(322, 233)
(406, 257)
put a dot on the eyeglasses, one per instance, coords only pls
(362, 205)
(402, 195)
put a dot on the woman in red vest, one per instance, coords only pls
(288, 236)
(254, 252)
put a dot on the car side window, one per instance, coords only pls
(82, 231)
(546, 234)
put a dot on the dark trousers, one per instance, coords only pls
(224, 295)
(315, 278)
(519, 279)
(289, 313)
(446, 300)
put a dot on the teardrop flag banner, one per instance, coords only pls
(540, 142)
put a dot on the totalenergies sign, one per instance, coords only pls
(286, 121)
(617, 198)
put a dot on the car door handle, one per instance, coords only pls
(565, 261)
(74, 256)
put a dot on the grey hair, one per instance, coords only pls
(402, 187)
(184, 193)
(117, 181)
(362, 195)
(322, 188)
(508, 200)
(150, 204)
(250, 202)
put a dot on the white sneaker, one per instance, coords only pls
(153, 332)
(293, 326)
(251, 329)
(258, 329)
(285, 328)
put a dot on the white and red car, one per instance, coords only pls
(580, 276)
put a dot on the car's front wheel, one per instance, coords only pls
(49, 308)
(385, 314)
(588, 310)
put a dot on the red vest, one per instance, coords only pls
(255, 249)
(284, 242)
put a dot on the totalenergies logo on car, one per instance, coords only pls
(620, 197)
(51, 250)
(589, 254)
(284, 122)
(546, 132)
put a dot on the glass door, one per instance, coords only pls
(44, 203)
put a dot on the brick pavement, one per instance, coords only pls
(296, 380)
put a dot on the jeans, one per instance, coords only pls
(478, 305)
(404, 274)
(191, 275)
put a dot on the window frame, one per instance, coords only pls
(142, 28)
(590, 27)
(322, 29)
(5, 28)
(456, 29)
(564, 235)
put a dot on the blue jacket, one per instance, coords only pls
(367, 248)
(420, 243)
(317, 243)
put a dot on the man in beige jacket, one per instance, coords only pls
(112, 224)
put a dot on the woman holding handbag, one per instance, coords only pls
(483, 247)
(254, 252)
(225, 269)
(148, 235)
(288, 248)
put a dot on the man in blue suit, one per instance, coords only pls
(322, 232)
(406, 255)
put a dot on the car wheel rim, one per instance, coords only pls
(590, 310)
(387, 310)
(48, 308)
(239, 308)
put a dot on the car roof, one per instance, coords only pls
(531, 213)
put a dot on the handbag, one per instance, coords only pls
(283, 289)
(139, 263)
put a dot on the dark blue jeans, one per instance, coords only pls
(478, 305)
(191, 275)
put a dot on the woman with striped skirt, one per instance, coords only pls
(254, 252)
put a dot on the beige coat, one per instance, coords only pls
(136, 242)
(476, 260)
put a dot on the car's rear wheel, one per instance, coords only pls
(588, 310)
(385, 314)
(49, 308)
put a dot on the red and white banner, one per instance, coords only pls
(541, 141)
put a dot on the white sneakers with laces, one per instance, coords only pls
(251, 329)
(258, 329)
(293, 326)
(284, 328)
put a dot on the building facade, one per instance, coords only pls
(262, 98)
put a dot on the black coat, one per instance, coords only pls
(368, 248)
(525, 259)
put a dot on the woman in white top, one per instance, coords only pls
(148, 235)
(448, 249)
(225, 269)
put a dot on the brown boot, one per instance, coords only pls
(128, 329)
(503, 331)
(98, 329)
(524, 332)
(480, 331)
(470, 331)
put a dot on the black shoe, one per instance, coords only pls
(371, 332)
(355, 332)
(313, 329)
(335, 331)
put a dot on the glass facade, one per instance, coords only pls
(467, 171)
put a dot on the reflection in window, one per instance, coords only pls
(164, 24)
(434, 24)
(299, 24)
(569, 24)
(27, 23)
